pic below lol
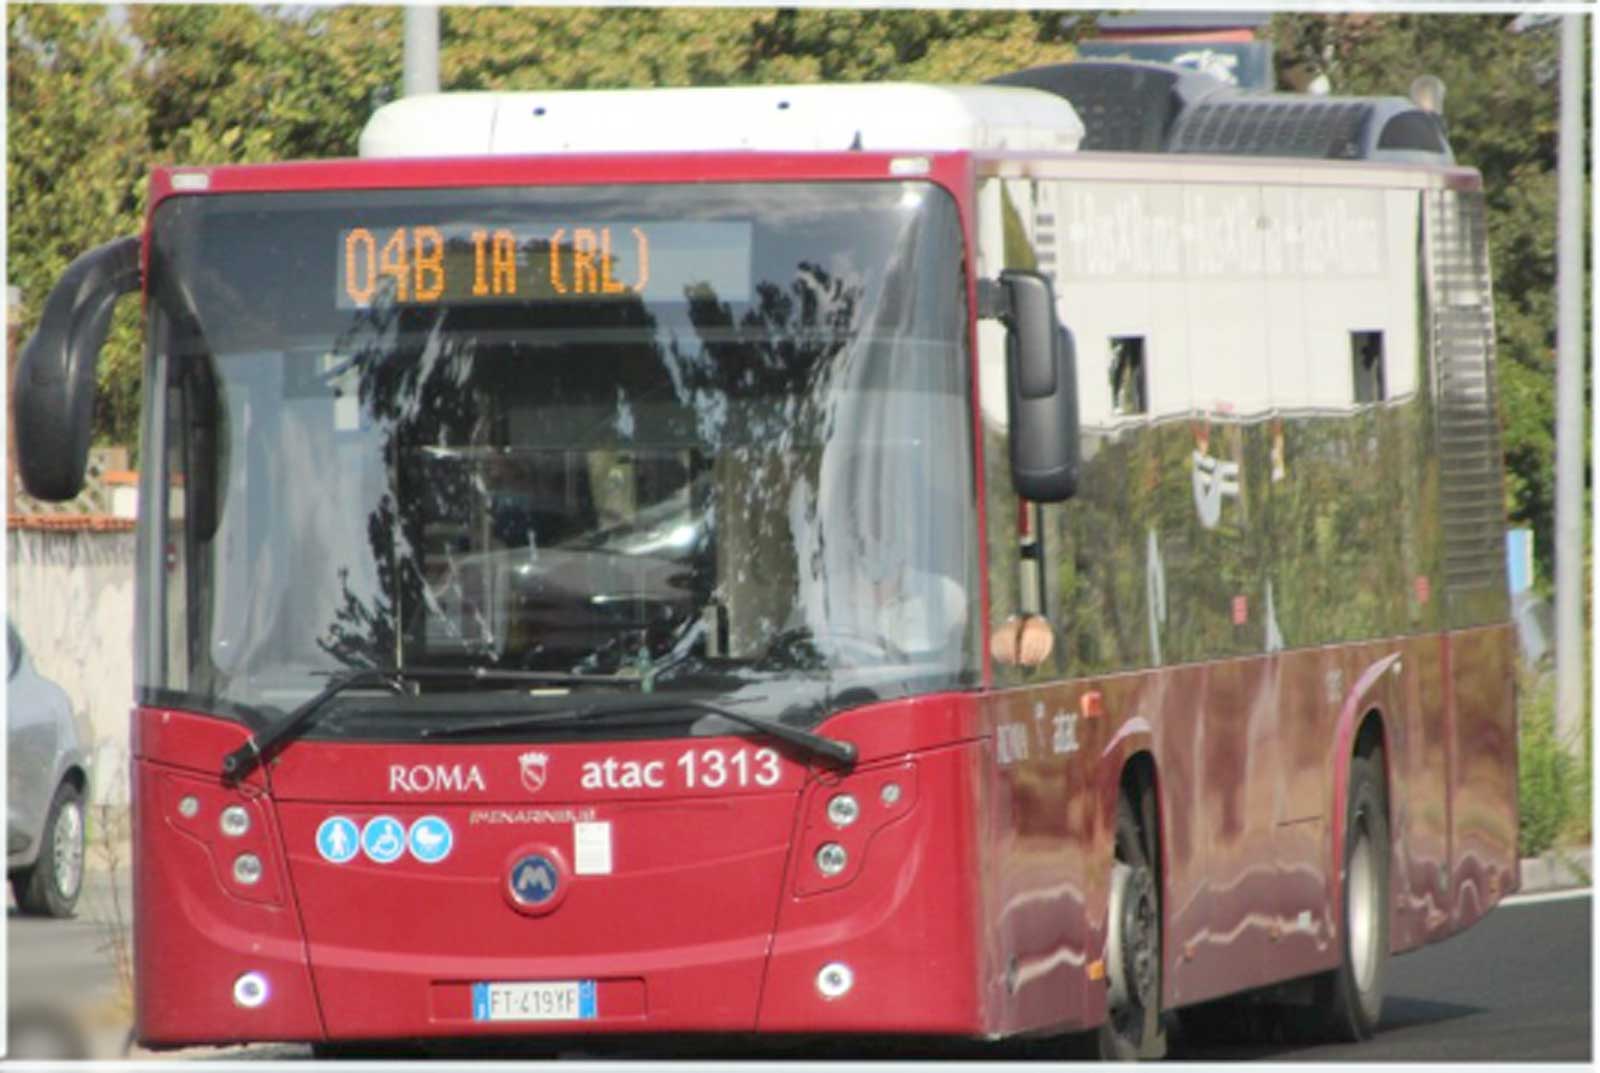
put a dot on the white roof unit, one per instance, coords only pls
(884, 116)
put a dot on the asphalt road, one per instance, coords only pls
(65, 995)
(1517, 987)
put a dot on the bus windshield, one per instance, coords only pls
(700, 437)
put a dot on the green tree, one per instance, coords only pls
(230, 84)
(566, 48)
(74, 163)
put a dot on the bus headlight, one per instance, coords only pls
(843, 810)
(247, 869)
(831, 858)
(234, 821)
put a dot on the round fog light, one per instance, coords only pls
(843, 810)
(835, 980)
(247, 869)
(234, 821)
(890, 794)
(250, 990)
(189, 806)
(831, 858)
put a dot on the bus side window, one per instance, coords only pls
(1366, 366)
(1129, 393)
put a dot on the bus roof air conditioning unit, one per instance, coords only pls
(1329, 128)
(1130, 106)
(1125, 105)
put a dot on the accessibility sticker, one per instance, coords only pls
(383, 839)
(337, 839)
(430, 839)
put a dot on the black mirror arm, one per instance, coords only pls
(994, 301)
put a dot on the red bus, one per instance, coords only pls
(846, 559)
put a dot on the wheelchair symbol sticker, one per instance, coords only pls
(338, 840)
(383, 839)
(430, 839)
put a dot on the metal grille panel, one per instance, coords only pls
(1273, 127)
(1461, 330)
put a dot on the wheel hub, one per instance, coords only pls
(1133, 939)
(67, 847)
(1363, 911)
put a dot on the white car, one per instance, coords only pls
(47, 783)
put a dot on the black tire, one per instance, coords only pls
(50, 887)
(1134, 1028)
(1249, 1019)
(1220, 1021)
(1351, 996)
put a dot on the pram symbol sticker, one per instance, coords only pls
(430, 839)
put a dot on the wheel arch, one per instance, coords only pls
(1127, 765)
(77, 776)
(1138, 774)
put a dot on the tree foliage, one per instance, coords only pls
(553, 48)
(100, 94)
(231, 84)
(75, 159)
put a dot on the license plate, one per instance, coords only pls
(567, 1000)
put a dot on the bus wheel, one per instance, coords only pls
(1352, 994)
(1133, 1028)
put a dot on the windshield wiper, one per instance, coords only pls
(842, 753)
(258, 748)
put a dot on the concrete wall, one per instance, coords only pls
(69, 590)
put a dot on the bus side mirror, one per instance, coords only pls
(1042, 385)
(53, 394)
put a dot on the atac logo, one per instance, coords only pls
(534, 768)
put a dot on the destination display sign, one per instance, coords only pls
(541, 261)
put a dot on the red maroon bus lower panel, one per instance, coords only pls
(1251, 760)
(705, 911)
(197, 931)
(908, 926)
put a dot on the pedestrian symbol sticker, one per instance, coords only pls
(383, 839)
(338, 840)
(430, 839)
